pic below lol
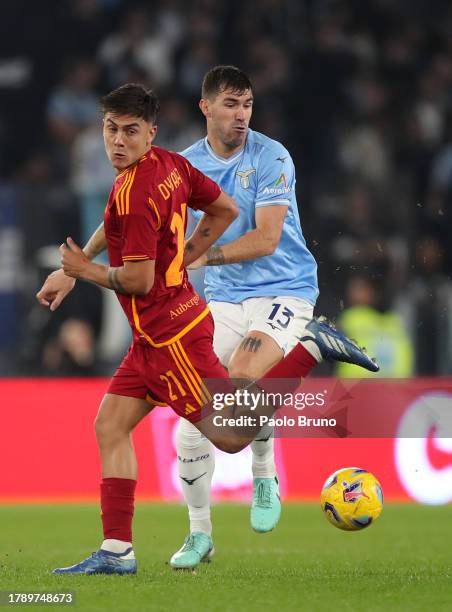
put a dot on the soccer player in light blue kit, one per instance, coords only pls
(260, 283)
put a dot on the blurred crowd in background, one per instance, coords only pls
(359, 92)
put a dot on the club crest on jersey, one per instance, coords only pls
(245, 177)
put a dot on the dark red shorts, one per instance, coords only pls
(172, 375)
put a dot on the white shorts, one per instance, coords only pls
(281, 318)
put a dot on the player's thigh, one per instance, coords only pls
(281, 321)
(124, 404)
(230, 328)
(254, 356)
(120, 414)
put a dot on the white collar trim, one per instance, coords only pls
(223, 160)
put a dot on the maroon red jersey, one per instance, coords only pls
(146, 218)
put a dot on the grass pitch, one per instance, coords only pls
(403, 562)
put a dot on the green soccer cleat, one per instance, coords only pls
(266, 506)
(197, 548)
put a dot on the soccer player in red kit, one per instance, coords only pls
(144, 231)
(144, 223)
(171, 353)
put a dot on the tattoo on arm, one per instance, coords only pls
(205, 233)
(114, 281)
(215, 256)
(189, 247)
(251, 344)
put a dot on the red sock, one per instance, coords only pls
(117, 497)
(296, 365)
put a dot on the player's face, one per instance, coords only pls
(127, 139)
(228, 116)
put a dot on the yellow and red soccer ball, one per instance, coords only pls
(352, 499)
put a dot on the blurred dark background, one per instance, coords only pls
(359, 92)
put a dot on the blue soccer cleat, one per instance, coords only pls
(335, 346)
(197, 548)
(266, 506)
(103, 562)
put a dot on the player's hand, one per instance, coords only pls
(56, 287)
(73, 260)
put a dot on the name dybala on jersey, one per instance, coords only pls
(145, 218)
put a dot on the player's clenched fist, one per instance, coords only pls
(56, 287)
(73, 260)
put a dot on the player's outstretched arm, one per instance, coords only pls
(57, 285)
(257, 243)
(218, 216)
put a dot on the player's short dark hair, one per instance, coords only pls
(132, 99)
(221, 78)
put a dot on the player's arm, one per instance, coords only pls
(96, 244)
(57, 285)
(133, 277)
(216, 219)
(275, 181)
(257, 243)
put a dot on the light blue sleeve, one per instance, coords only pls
(275, 178)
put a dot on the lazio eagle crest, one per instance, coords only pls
(245, 177)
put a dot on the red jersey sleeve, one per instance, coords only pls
(139, 228)
(204, 191)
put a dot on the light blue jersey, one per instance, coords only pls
(261, 174)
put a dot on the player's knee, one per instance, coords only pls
(101, 428)
(187, 435)
(229, 445)
(106, 431)
(242, 371)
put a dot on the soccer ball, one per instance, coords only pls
(352, 499)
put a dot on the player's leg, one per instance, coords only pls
(254, 356)
(319, 341)
(251, 359)
(196, 454)
(271, 335)
(117, 417)
(196, 463)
